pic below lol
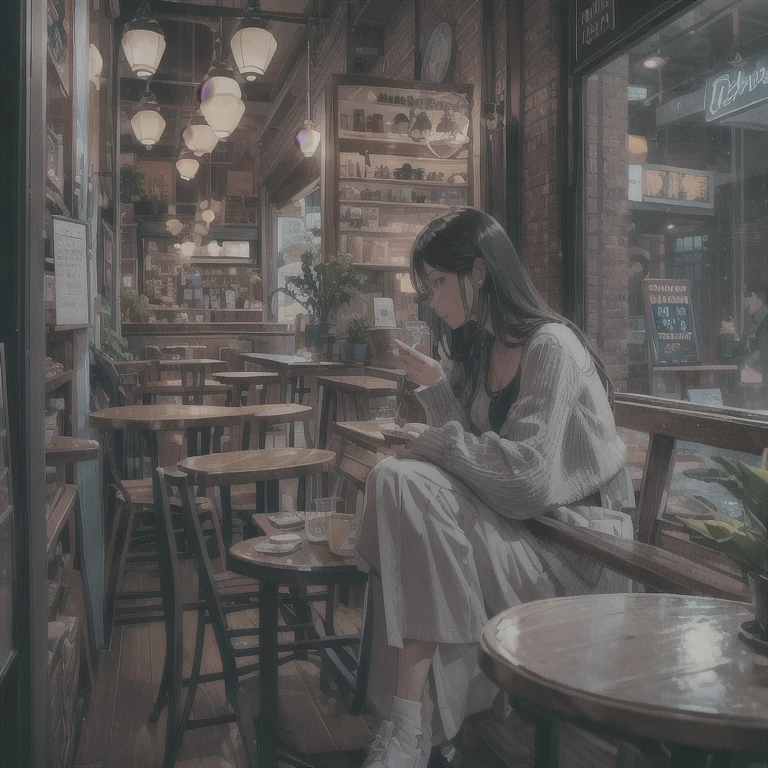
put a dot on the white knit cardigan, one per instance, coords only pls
(557, 446)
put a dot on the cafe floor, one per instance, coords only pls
(116, 734)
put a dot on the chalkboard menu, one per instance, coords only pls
(69, 244)
(669, 313)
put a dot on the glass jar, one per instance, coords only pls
(316, 520)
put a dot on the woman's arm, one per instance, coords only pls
(544, 463)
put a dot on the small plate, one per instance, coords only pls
(280, 544)
(752, 634)
(287, 520)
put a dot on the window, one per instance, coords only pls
(675, 199)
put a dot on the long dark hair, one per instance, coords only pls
(451, 242)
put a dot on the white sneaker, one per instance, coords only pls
(388, 751)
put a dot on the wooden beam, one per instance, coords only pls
(168, 9)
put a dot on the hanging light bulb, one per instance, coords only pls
(308, 138)
(143, 43)
(199, 136)
(221, 104)
(95, 66)
(253, 45)
(187, 165)
(208, 216)
(147, 122)
(187, 248)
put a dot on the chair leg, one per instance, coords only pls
(176, 737)
(547, 744)
(115, 583)
(357, 705)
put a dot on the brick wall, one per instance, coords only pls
(607, 215)
(541, 212)
(399, 44)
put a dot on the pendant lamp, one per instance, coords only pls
(187, 165)
(253, 45)
(143, 43)
(308, 138)
(147, 122)
(199, 136)
(221, 104)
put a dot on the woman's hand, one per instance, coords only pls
(419, 368)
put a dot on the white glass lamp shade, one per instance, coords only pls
(208, 215)
(187, 165)
(221, 104)
(187, 248)
(253, 45)
(174, 226)
(143, 43)
(308, 139)
(95, 66)
(148, 126)
(199, 136)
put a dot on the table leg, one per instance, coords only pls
(268, 693)
(226, 514)
(328, 401)
(292, 425)
(547, 749)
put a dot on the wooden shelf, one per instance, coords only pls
(56, 382)
(367, 233)
(381, 144)
(68, 450)
(443, 184)
(385, 267)
(435, 206)
(59, 516)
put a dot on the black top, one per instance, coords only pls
(501, 402)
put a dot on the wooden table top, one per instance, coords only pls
(670, 668)
(287, 362)
(172, 347)
(311, 558)
(366, 434)
(241, 467)
(175, 387)
(67, 450)
(190, 363)
(246, 377)
(162, 417)
(370, 385)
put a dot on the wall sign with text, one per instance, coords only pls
(736, 89)
(669, 313)
(69, 246)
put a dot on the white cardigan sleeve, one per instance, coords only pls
(522, 475)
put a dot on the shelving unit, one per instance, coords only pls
(390, 177)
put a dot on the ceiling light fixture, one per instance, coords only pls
(143, 43)
(147, 122)
(308, 138)
(670, 226)
(187, 165)
(638, 149)
(657, 61)
(221, 104)
(199, 136)
(253, 45)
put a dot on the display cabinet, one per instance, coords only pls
(401, 154)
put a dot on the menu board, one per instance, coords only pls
(69, 243)
(669, 311)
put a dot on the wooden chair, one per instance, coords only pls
(193, 384)
(214, 590)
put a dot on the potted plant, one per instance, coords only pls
(356, 346)
(744, 542)
(321, 287)
(134, 307)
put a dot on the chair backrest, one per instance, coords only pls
(105, 375)
(230, 355)
(208, 590)
(192, 384)
(152, 352)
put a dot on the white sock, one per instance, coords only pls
(406, 717)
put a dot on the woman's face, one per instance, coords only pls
(446, 296)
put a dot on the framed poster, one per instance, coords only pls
(7, 534)
(69, 247)
(684, 187)
(669, 313)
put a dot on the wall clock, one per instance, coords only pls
(438, 52)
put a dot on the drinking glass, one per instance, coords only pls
(316, 521)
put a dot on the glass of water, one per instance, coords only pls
(316, 520)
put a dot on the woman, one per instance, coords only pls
(523, 428)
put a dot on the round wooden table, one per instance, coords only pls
(312, 565)
(241, 381)
(267, 466)
(664, 668)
